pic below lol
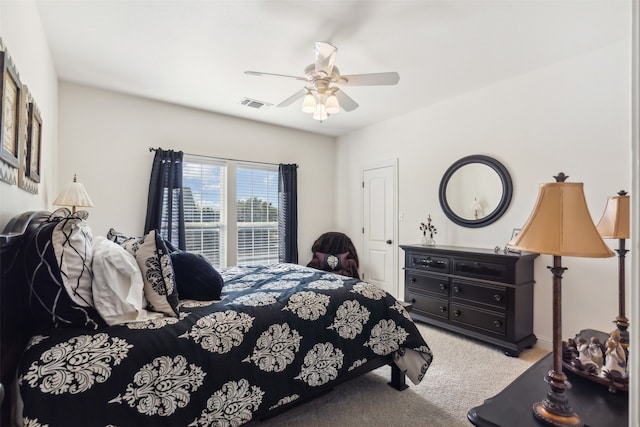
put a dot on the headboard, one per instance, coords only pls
(15, 323)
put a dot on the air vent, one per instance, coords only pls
(254, 103)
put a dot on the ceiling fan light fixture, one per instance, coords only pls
(309, 103)
(319, 96)
(321, 112)
(332, 105)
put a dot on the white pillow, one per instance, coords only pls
(118, 288)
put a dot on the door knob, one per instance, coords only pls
(389, 242)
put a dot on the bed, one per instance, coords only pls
(277, 336)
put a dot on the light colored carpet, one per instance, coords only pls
(464, 373)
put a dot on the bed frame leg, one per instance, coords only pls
(398, 379)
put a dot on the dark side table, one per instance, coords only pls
(513, 405)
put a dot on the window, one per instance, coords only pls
(204, 207)
(231, 211)
(257, 215)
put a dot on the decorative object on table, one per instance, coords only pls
(428, 229)
(560, 225)
(507, 249)
(75, 195)
(11, 114)
(614, 224)
(605, 363)
(476, 208)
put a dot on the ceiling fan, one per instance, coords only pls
(321, 95)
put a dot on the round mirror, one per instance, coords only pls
(475, 191)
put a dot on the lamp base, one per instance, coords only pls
(546, 416)
(555, 410)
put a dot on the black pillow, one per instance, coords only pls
(195, 277)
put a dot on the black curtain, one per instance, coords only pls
(165, 206)
(288, 213)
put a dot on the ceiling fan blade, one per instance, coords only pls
(345, 101)
(325, 57)
(375, 79)
(258, 73)
(293, 98)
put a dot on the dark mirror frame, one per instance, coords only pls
(507, 190)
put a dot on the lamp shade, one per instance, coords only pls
(614, 223)
(333, 107)
(73, 194)
(560, 224)
(309, 103)
(320, 113)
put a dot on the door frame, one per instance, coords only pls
(393, 163)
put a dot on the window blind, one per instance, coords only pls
(204, 186)
(257, 214)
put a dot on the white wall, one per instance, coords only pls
(24, 39)
(573, 117)
(105, 139)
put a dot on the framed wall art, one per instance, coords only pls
(31, 131)
(34, 142)
(10, 117)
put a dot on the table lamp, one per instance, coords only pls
(73, 194)
(614, 224)
(560, 225)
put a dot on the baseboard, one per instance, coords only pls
(545, 343)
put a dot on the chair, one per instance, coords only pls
(334, 251)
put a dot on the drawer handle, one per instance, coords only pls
(412, 279)
(457, 289)
(457, 313)
(443, 286)
(497, 323)
(443, 308)
(413, 301)
(497, 297)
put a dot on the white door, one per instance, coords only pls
(380, 248)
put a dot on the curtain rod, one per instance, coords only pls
(225, 158)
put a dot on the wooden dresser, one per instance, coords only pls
(475, 292)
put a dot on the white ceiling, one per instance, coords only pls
(194, 53)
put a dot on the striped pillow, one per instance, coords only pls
(58, 257)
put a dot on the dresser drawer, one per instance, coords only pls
(480, 270)
(426, 283)
(427, 263)
(428, 305)
(487, 321)
(494, 296)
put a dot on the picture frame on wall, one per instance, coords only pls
(10, 112)
(515, 233)
(34, 143)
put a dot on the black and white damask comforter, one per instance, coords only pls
(279, 332)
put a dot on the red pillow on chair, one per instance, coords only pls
(330, 262)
